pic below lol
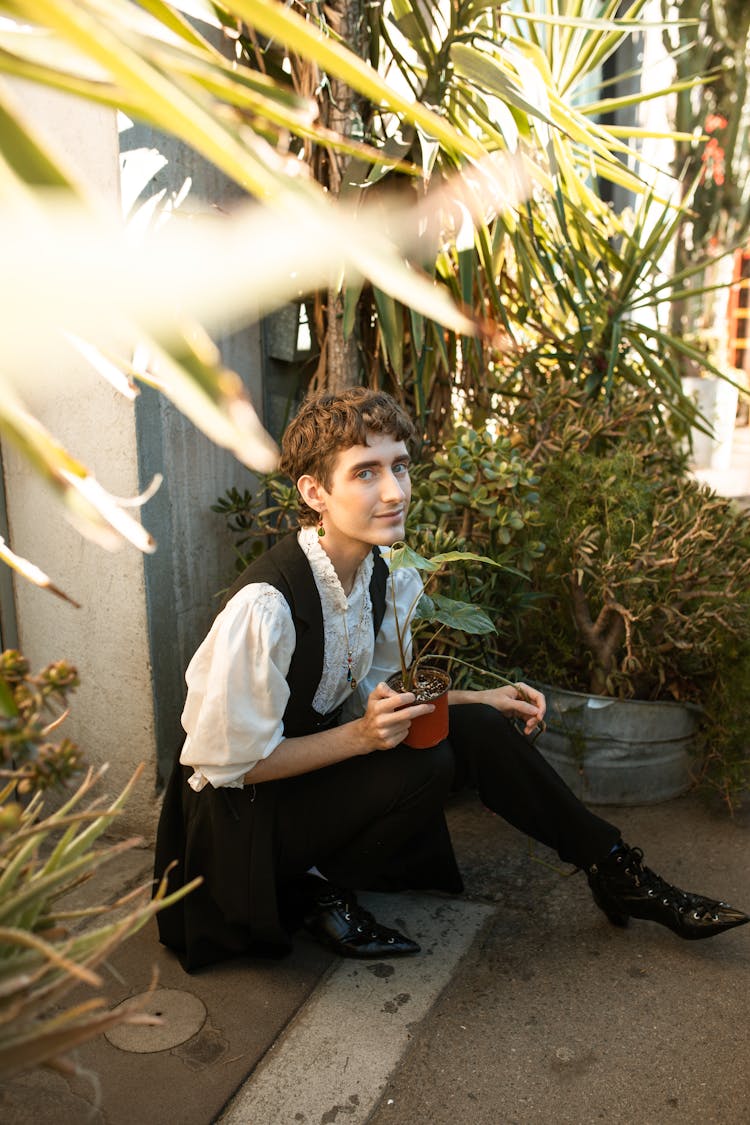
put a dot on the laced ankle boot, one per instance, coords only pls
(335, 919)
(623, 887)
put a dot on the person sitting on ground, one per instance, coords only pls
(294, 789)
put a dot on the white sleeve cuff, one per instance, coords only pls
(198, 781)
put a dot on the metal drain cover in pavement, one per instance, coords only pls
(182, 1016)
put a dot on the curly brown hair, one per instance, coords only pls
(328, 423)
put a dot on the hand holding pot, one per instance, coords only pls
(388, 716)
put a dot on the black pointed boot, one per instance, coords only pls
(335, 919)
(623, 887)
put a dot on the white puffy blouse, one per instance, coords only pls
(237, 689)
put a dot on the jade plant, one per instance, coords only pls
(645, 577)
(478, 495)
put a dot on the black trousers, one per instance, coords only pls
(371, 822)
(374, 822)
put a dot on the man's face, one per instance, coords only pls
(369, 494)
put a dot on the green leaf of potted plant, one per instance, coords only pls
(419, 675)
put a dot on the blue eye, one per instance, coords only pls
(364, 474)
(401, 469)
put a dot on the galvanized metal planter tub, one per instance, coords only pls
(619, 751)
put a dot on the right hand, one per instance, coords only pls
(388, 716)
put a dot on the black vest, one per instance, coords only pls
(286, 568)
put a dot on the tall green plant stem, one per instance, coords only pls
(479, 622)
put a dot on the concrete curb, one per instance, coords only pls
(336, 1056)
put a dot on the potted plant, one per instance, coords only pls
(418, 673)
(644, 587)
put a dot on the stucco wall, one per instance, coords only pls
(112, 714)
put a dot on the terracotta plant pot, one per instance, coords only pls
(431, 686)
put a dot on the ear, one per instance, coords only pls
(312, 492)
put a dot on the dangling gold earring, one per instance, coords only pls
(321, 529)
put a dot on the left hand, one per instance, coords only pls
(516, 701)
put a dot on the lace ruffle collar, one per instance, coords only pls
(324, 571)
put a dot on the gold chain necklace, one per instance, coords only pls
(350, 647)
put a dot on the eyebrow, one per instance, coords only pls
(374, 463)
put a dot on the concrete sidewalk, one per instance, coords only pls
(525, 1007)
(559, 1018)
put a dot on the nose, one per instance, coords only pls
(395, 488)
